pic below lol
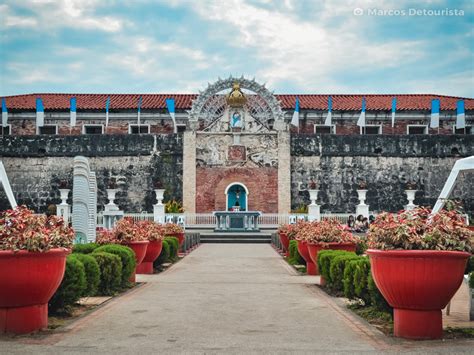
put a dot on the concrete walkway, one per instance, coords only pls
(222, 298)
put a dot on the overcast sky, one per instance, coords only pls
(295, 46)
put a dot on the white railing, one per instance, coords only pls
(209, 220)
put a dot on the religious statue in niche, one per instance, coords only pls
(236, 101)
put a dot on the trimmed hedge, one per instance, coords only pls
(294, 256)
(164, 255)
(336, 270)
(173, 243)
(349, 273)
(92, 273)
(324, 262)
(85, 248)
(469, 265)
(72, 286)
(471, 280)
(110, 272)
(127, 259)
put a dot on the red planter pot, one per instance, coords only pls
(139, 249)
(303, 250)
(314, 249)
(28, 280)
(153, 250)
(180, 237)
(285, 242)
(418, 284)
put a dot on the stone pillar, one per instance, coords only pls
(189, 171)
(314, 210)
(410, 198)
(63, 209)
(159, 208)
(284, 172)
(362, 208)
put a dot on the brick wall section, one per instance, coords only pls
(262, 184)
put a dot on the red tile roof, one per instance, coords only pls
(184, 101)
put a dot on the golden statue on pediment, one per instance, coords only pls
(236, 98)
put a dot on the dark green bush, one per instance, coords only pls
(348, 280)
(471, 280)
(92, 273)
(164, 255)
(174, 248)
(361, 246)
(110, 272)
(469, 265)
(294, 256)
(85, 248)
(361, 274)
(127, 258)
(72, 286)
(336, 270)
(376, 298)
(324, 262)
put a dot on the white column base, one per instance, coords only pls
(363, 210)
(314, 212)
(159, 213)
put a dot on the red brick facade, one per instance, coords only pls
(262, 184)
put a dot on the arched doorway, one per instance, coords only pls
(237, 197)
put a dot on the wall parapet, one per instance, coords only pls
(90, 145)
(383, 145)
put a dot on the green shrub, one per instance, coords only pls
(174, 248)
(336, 270)
(85, 248)
(164, 255)
(294, 256)
(361, 246)
(92, 273)
(361, 274)
(324, 262)
(471, 280)
(469, 265)
(376, 298)
(72, 286)
(127, 258)
(110, 272)
(348, 279)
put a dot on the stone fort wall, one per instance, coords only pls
(36, 165)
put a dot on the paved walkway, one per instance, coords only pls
(222, 298)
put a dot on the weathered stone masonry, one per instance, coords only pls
(36, 165)
(339, 163)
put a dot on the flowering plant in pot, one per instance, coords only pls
(174, 230)
(327, 234)
(154, 233)
(283, 235)
(129, 233)
(417, 262)
(33, 250)
(301, 232)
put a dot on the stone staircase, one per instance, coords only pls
(210, 236)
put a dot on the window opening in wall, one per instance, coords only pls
(48, 129)
(417, 129)
(138, 129)
(371, 129)
(92, 129)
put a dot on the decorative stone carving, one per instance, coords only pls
(211, 105)
(237, 153)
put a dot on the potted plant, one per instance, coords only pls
(283, 235)
(417, 262)
(328, 234)
(33, 250)
(154, 233)
(127, 232)
(302, 230)
(174, 230)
